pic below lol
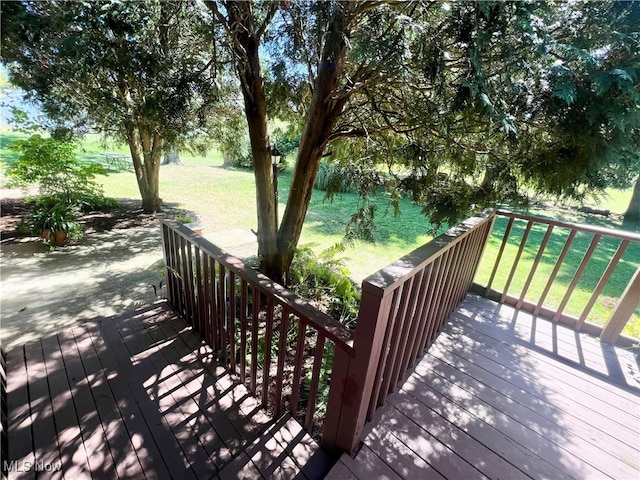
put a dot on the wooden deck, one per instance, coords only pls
(139, 396)
(502, 394)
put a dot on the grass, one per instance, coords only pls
(224, 199)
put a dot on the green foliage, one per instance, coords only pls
(48, 214)
(53, 166)
(324, 280)
(331, 178)
(185, 217)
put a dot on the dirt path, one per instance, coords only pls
(115, 267)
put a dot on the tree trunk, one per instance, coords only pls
(320, 121)
(246, 43)
(632, 215)
(146, 152)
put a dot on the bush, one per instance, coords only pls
(324, 281)
(331, 178)
(52, 165)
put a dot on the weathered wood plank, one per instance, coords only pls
(117, 438)
(174, 400)
(448, 447)
(99, 458)
(45, 440)
(154, 406)
(576, 434)
(72, 450)
(19, 415)
(148, 432)
(547, 369)
(368, 465)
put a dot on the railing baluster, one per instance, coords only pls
(297, 369)
(315, 380)
(554, 273)
(199, 320)
(186, 280)
(436, 320)
(244, 313)
(282, 353)
(516, 261)
(505, 240)
(232, 320)
(577, 276)
(417, 320)
(423, 312)
(215, 302)
(430, 305)
(206, 286)
(222, 329)
(406, 319)
(267, 350)
(627, 303)
(254, 340)
(603, 281)
(384, 364)
(534, 267)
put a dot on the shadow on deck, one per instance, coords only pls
(504, 394)
(138, 396)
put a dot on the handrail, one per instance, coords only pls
(334, 330)
(617, 241)
(403, 308)
(579, 227)
(277, 343)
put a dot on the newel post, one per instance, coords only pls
(354, 374)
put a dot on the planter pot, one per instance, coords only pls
(196, 227)
(45, 233)
(60, 238)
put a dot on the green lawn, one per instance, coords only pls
(225, 199)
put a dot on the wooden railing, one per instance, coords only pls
(403, 307)
(594, 244)
(276, 343)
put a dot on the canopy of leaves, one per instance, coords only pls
(461, 105)
(108, 64)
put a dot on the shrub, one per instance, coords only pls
(331, 178)
(52, 165)
(324, 281)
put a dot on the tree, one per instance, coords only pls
(139, 71)
(464, 104)
(632, 215)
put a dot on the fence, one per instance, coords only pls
(240, 312)
(403, 307)
(542, 258)
(276, 343)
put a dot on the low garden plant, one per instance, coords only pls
(65, 186)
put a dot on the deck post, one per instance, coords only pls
(623, 311)
(353, 375)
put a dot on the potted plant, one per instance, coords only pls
(56, 222)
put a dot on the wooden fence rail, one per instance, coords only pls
(274, 341)
(403, 307)
(562, 235)
(283, 348)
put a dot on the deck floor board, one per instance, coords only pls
(140, 396)
(503, 394)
